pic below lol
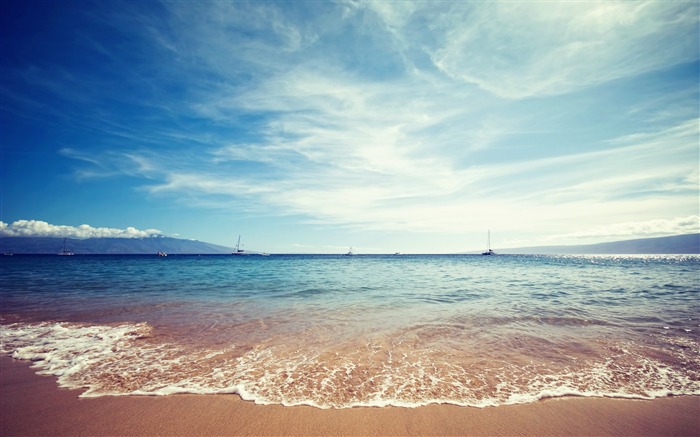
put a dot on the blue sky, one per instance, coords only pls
(315, 126)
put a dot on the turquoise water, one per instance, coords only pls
(334, 331)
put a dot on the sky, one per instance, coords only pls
(313, 126)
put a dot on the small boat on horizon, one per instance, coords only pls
(351, 252)
(65, 252)
(489, 251)
(162, 253)
(238, 250)
(241, 252)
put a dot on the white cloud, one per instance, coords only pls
(370, 177)
(38, 228)
(524, 49)
(663, 161)
(568, 48)
(348, 141)
(637, 229)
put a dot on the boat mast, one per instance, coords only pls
(488, 245)
(239, 251)
(65, 251)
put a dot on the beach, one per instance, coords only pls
(322, 345)
(35, 405)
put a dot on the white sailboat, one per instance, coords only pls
(238, 250)
(489, 251)
(351, 252)
(65, 252)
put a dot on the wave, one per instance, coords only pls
(129, 359)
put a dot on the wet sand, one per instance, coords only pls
(35, 405)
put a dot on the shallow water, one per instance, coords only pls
(333, 331)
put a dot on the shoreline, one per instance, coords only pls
(34, 405)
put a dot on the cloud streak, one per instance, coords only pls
(411, 116)
(366, 190)
(650, 228)
(549, 48)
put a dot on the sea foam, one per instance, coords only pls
(123, 359)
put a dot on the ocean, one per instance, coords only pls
(366, 330)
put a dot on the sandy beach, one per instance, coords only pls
(35, 405)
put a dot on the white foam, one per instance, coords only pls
(66, 350)
(123, 360)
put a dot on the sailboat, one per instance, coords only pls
(351, 252)
(489, 251)
(238, 250)
(65, 252)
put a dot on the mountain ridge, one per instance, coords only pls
(676, 244)
(684, 244)
(109, 246)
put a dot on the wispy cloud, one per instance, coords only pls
(110, 163)
(365, 189)
(415, 116)
(520, 50)
(650, 228)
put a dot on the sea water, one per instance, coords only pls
(339, 331)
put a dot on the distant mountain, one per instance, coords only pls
(677, 244)
(127, 246)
